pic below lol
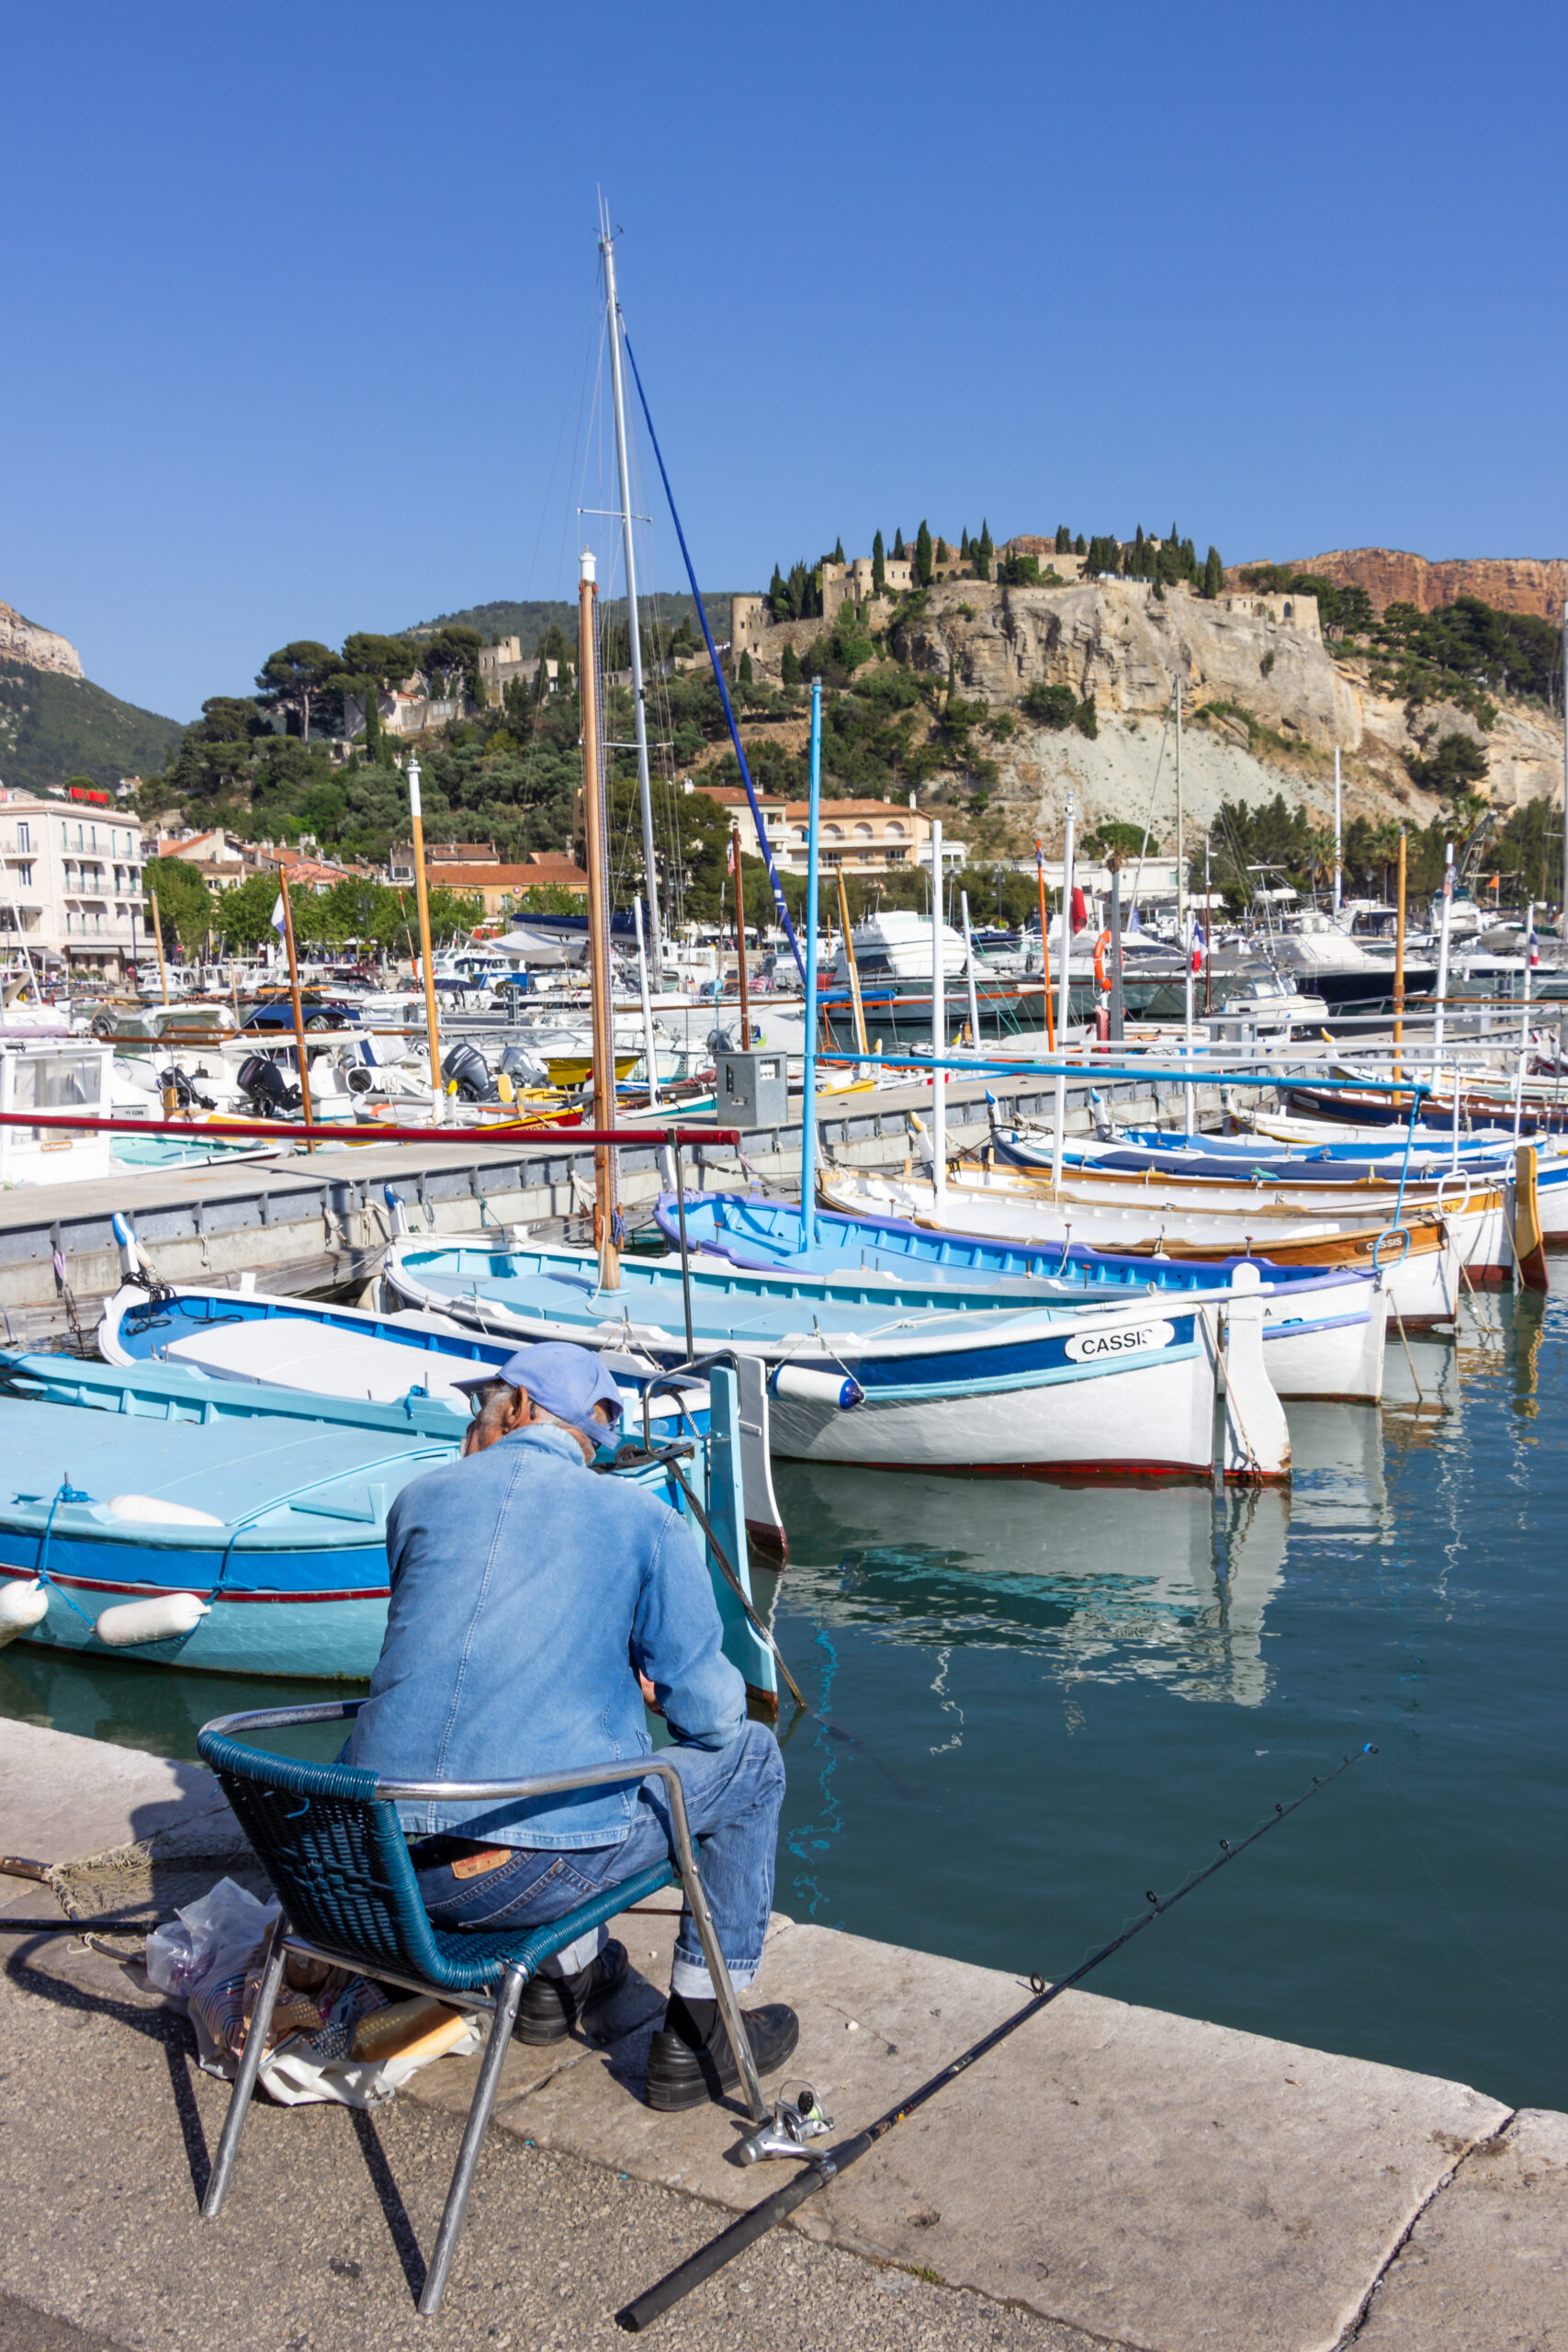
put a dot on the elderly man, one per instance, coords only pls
(524, 1592)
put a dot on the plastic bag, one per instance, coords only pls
(317, 2059)
(223, 1925)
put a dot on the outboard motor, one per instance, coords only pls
(266, 1091)
(465, 1067)
(179, 1093)
(523, 1067)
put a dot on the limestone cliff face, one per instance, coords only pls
(22, 640)
(1116, 639)
(1513, 583)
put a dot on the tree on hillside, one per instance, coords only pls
(838, 551)
(922, 556)
(1214, 575)
(387, 659)
(789, 668)
(185, 904)
(1063, 539)
(983, 552)
(899, 550)
(1458, 763)
(942, 551)
(963, 545)
(878, 565)
(294, 678)
(450, 656)
(1080, 546)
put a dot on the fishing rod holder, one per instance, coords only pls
(795, 2123)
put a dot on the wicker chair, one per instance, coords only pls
(329, 1838)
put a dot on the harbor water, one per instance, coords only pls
(1034, 1702)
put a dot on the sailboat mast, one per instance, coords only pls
(606, 1217)
(639, 705)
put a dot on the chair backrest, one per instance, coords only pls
(339, 1862)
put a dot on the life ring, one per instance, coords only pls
(1101, 977)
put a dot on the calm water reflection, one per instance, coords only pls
(1042, 1700)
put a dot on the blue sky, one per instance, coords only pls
(299, 304)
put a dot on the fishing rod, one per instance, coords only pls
(796, 2124)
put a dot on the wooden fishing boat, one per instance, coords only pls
(1420, 1258)
(239, 1528)
(1323, 1331)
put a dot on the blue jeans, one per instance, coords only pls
(733, 1795)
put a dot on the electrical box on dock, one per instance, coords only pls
(751, 1091)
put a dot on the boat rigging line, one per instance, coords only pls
(798, 2122)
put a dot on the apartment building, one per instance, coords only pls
(71, 882)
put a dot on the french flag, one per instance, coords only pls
(1199, 947)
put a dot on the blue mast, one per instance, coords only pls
(809, 1100)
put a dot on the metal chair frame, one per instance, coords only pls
(535, 1945)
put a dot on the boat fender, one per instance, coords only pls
(131, 1264)
(813, 1387)
(162, 1619)
(22, 1606)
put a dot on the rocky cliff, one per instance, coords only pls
(1513, 583)
(40, 648)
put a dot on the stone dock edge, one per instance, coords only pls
(1132, 2176)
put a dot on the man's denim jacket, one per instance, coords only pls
(519, 1581)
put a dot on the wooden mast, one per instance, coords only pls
(606, 1209)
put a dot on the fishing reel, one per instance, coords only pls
(796, 2122)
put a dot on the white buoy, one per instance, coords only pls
(22, 1606)
(811, 1387)
(162, 1619)
(131, 1264)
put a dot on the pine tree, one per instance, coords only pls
(922, 556)
(838, 550)
(900, 552)
(1214, 575)
(790, 669)
(878, 566)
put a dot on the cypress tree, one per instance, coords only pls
(878, 566)
(1063, 539)
(942, 551)
(963, 545)
(778, 596)
(790, 670)
(899, 550)
(922, 556)
(1214, 575)
(1080, 545)
(746, 671)
(982, 551)
(373, 722)
(838, 550)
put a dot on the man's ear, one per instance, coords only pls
(518, 1413)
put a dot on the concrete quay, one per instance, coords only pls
(321, 1221)
(1111, 2175)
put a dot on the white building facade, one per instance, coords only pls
(70, 883)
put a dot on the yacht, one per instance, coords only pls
(1343, 968)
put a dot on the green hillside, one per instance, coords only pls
(54, 727)
(528, 622)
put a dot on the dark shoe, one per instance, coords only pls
(679, 2075)
(551, 2005)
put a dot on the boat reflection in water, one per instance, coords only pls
(1168, 1585)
